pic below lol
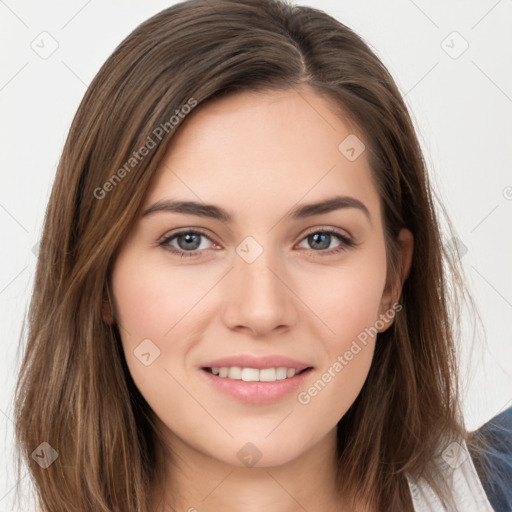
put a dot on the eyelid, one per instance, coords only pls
(339, 231)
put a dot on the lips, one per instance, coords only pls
(257, 393)
(259, 362)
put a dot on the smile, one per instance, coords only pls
(255, 374)
(248, 385)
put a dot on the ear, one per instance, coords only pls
(394, 284)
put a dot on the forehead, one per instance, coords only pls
(264, 148)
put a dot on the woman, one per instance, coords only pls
(253, 369)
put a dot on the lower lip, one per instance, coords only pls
(257, 392)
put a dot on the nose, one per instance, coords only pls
(260, 296)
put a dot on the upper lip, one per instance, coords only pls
(259, 362)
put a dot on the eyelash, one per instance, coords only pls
(346, 242)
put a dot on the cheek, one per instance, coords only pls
(159, 311)
(152, 299)
(151, 306)
(348, 303)
(348, 298)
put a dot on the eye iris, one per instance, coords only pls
(315, 237)
(188, 237)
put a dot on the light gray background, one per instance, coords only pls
(461, 105)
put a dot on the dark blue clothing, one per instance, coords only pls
(497, 482)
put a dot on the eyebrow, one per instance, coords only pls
(218, 213)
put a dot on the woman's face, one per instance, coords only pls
(265, 284)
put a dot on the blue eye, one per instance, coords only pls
(320, 239)
(189, 242)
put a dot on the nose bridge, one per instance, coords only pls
(257, 265)
(260, 300)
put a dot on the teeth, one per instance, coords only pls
(254, 374)
(234, 373)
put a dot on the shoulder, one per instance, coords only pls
(494, 465)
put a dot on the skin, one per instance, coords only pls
(257, 155)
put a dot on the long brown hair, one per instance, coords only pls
(75, 391)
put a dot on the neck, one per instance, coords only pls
(194, 481)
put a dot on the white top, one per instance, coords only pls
(457, 469)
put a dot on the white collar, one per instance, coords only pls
(456, 468)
